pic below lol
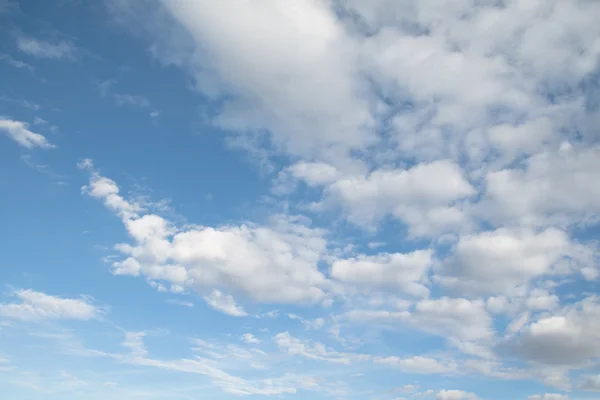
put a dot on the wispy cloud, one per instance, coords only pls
(16, 63)
(61, 50)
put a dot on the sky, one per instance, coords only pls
(307, 199)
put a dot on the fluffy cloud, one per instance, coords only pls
(276, 263)
(462, 319)
(250, 338)
(37, 306)
(552, 188)
(567, 337)
(19, 132)
(423, 196)
(307, 95)
(499, 261)
(404, 272)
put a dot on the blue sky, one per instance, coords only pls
(383, 199)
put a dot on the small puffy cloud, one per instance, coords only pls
(37, 306)
(224, 303)
(61, 50)
(19, 132)
(250, 338)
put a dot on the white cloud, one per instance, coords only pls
(37, 306)
(224, 303)
(276, 263)
(182, 303)
(311, 324)
(502, 260)
(422, 196)
(139, 355)
(549, 396)
(18, 132)
(63, 49)
(250, 338)
(458, 318)
(404, 272)
(455, 395)
(418, 364)
(315, 351)
(552, 188)
(307, 95)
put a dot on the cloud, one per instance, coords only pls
(180, 303)
(37, 306)
(140, 356)
(500, 261)
(591, 383)
(19, 132)
(418, 365)
(61, 50)
(307, 95)
(225, 304)
(569, 336)
(276, 263)
(315, 351)
(401, 272)
(549, 396)
(423, 196)
(552, 189)
(250, 338)
(455, 395)
(125, 99)
(15, 63)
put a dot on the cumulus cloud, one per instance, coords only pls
(403, 272)
(276, 263)
(19, 132)
(472, 124)
(424, 196)
(37, 306)
(567, 337)
(500, 261)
